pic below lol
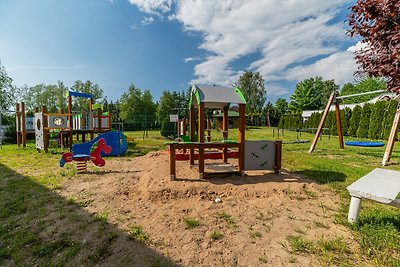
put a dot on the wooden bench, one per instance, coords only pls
(380, 185)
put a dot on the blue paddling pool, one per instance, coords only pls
(366, 144)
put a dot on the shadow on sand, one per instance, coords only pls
(41, 228)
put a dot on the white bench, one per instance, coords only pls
(379, 185)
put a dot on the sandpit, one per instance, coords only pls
(255, 216)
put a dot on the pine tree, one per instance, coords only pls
(346, 120)
(355, 121)
(281, 122)
(388, 117)
(362, 131)
(328, 123)
(375, 123)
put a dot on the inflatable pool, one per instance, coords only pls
(366, 144)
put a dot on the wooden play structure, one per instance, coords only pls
(252, 155)
(64, 125)
(380, 185)
(23, 124)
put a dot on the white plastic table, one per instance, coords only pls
(379, 185)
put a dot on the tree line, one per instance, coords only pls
(372, 121)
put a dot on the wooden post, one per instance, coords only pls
(200, 134)
(172, 162)
(71, 125)
(99, 116)
(241, 136)
(91, 119)
(191, 124)
(278, 157)
(61, 133)
(392, 137)
(179, 128)
(23, 120)
(45, 131)
(18, 123)
(208, 130)
(109, 120)
(339, 124)
(184, 126)
(184, 131)
(225, 124)
(321, 123)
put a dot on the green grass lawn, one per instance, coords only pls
(29, 182)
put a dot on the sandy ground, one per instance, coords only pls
(264, 209)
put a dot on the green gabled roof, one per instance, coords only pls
(215, 96)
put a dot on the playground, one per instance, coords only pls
(130, 211)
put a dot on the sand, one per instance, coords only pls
(255, 216)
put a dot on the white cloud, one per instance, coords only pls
(189, 59)
(156, 7)
(147, 21)
(339, 66)
(275, 90)
(284, 32)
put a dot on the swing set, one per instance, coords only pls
(334, 100)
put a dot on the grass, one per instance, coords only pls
(215, 235)
(191, 223)
(136, 232)
(225, 217)
(29, 182)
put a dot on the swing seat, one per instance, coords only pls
(364, 144)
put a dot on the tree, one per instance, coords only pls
(271, 115)
(387, 119)
(7, 91)
(252, 86)
(172, 103)
(87, 87)
(375, 123)
(312, 94)
(51, 96)
(355, 120)
(345, 116)
(366, 84)
(363, 127)
(282, 106)
(136, 104)
(377, 23)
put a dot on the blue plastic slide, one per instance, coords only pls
(115, 139)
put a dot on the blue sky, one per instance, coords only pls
(169, 44)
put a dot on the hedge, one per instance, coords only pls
(373, 121)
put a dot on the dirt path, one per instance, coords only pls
(255, 216)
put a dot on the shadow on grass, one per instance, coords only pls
(40, 227)
(324, 177)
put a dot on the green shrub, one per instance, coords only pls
(345, 116)
(387, 118)
(363, 127)
(168, 129)
(10, 133)
(355, 121)
(375, 123)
